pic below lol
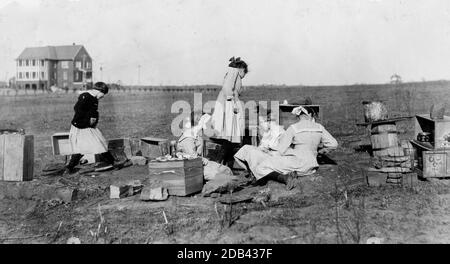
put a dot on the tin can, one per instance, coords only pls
(173, 148)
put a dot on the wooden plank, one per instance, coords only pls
(390, 120)
(153, 140)
(13, 162)
(28, 160)
(2, 156)
(389, 169)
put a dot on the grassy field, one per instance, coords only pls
(399, 216)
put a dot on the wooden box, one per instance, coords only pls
(436, 164)
(181, 178)
(120, 148)
(151, 146)
(61, 144)
(439, 129)
(16, 157)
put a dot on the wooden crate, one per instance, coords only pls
(16, 157)
(120, 148)
(439, 129)
(151, 146)
(181, 178)
(436, 164)
(61, 144)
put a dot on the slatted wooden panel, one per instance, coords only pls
(436, 164)
(17, 157)
(2, 156)
(181, 178)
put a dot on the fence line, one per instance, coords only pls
(5, 92)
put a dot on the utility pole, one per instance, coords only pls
(83, 70)
(101, 73)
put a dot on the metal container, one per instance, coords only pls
(424, 137)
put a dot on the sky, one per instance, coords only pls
(189, 42)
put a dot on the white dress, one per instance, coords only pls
(87, 140)
(254, 155)
(226, 123)
(305, 136)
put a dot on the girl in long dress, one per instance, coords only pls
(84, 136)
(270, 133)
(228, 116)
(286, 163)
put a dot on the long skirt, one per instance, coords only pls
(262, 164)
(87, 141)
(226, 123)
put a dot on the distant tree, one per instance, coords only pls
(396, 79)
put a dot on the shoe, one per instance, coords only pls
(122, 164)
(291, 180)
(68, 172)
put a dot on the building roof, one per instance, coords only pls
(67, 52)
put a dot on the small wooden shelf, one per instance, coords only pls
(387, 121)
(439, 129)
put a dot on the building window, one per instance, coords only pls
(65, 64)
(42, 62)
(20, 75)
(34, 75)
(88, 65)
(65, 76)
(54, 65)
(34, 62)
(42, 75)
(54, 75)
(20, 62)
(78, 64)
(27, 75)
(27, 62)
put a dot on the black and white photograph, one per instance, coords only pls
(238, 123)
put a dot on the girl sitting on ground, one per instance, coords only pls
(286, 162)
(191, 142)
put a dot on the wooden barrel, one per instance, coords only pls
(410, 151)
(384, 140)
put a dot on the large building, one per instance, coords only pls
(67, 67)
